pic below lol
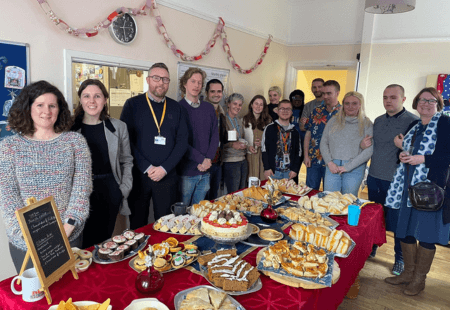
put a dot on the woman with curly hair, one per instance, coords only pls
(111, 162)
(256, 119)
(43, 159)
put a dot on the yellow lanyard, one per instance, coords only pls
(154, 116)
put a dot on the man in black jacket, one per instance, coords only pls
(281, 148)
(158, 138)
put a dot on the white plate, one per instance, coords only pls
(89, 260)
(82, 303)
(142, 303)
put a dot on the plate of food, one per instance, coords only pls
(333, 240)
(120, 247)
(227, 272)
(298, 261)
(228, 202)
(178, 225)
(81, 305)
(146, 304)
(289, 187)
(270, 234)
(205, 297)
(170, 255)
(328, 203)
(298, 214)
(255, 239)
(83, 259)
(261, 194)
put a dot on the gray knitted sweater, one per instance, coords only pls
(60, 167)
(345, 144)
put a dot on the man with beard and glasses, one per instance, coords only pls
(316, 88)
(158, 138)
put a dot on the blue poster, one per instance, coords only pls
(14, 75)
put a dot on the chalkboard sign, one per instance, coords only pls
(47, 242)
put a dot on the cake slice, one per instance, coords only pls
(201, 293)
(217, 298)
(195, 304)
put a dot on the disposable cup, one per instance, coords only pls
(353, 215)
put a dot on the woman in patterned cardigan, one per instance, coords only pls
(43, 159)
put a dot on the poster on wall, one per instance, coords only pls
(222, 75)
(14, 75)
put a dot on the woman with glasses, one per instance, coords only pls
(256, 119)
(345, 161)
(235, 166)
(425, 157)
(111, 161)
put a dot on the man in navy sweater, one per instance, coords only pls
(158, 138)
(203, 138)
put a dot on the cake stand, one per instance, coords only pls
(221, 242)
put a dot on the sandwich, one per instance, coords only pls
(343, 246)
(333, 240)
(324, 233)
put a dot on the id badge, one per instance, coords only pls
(160, 140)
(286, 159)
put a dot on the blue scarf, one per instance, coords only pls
(427, 146)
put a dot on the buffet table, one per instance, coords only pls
(116, 281)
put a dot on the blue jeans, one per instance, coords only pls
(235, 175)
(378, 189)
(281, 175)
(216, 178)
(194, 188)
(314, 175)
(347, 182)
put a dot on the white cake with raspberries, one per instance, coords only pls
(225, 224)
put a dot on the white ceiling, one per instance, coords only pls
(321, 22)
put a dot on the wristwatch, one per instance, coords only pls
(70, 221)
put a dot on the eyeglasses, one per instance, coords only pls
(285, 109)
(429, 101)
(157, 78)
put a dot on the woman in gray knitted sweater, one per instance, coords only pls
(43, 159)
(340, 146)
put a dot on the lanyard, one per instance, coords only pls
(235, 126)
(154, 116)
(284, 138)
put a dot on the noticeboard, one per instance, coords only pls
(47, 242)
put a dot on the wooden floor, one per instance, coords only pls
(375, 294)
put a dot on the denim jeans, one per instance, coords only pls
(378, 189)
(235, 175)
(281, 175)
(215, 179)
(194, 188)
(314, 175)
(347, 182)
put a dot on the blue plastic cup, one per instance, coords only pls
(353, 215)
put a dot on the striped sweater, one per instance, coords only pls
(60, 167)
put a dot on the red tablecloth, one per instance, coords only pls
(116, 281)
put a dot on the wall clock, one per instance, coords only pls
(124, 29)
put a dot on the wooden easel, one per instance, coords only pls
(69, 265)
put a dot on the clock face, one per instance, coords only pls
(124, 29)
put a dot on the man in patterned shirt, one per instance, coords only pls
(314, 126)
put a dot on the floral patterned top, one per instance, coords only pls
(316, 124)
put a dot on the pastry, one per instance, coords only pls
(190, 246)
(85, 254)
(139, 264)
(119, 239)
(82, 264)
(129, 234)
(103, 253)
(216, 298)
(140, 238)
(125, 248)
(110, 245)
(192, 252)
(133, 244)
(116, 255)
(161, 264)
(178, 261)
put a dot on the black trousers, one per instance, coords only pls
(105, 202)
(163, 193)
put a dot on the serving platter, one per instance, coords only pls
(334, 224)
(279, 202)
(144, 303)
(358, 202)
(131, 264)
(81, 303)
(182, 296)
(169, 232)
(132, 253)
(287, 193)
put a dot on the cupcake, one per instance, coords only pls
(119, 239)
(140, 238)
(116, 255)
(125, 248)
(129, 234)
(133, 244)
(110, 245)
(104, 253)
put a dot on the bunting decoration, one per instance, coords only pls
(151, 5)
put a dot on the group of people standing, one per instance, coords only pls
(100, 170)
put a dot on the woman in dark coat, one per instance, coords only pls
(426, 156)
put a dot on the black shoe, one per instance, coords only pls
(374, 251)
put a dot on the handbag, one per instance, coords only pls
(426, 196)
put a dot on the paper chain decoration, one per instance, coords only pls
(151, 4)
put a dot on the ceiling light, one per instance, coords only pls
(389, 6)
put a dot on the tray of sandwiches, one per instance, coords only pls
(329, 203)
(297, 214)
(179, 225)
(287, 186)
(298, 264)
(335, 241)
(227, 272)
(262, 194)
(170, 255)
(120, 247)
(205, 297)
(228, 202)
